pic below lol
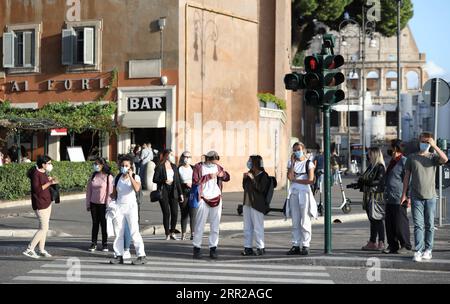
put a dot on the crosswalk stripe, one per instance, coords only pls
(195, 270)
(188, 277)
(99, 280)
(176, 262)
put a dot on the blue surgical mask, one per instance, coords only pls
(124, 170)
(299, 154)
(97, 168)
(249, 165)
(424, 147)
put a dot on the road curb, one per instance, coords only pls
(29, 233)
(27, 202)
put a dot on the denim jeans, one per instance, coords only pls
(127, 236)
(423, 215)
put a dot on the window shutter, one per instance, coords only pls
(28, 49)
(68, 39)
(8, 50)
(89, 44)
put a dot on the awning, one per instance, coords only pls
(144, 120)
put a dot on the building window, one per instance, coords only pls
(413, 80)
(354, 119)
(391, 80)
(391, 119)
(81, 46)
(334, 119)
(21, 48)
(373, 81)
(353, 81)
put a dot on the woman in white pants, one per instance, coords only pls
(208, 176)
(125, 192)
(301, 203)
(256, 183)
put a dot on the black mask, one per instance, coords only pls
(390, 152)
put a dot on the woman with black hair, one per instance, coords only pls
(98, 196)
(186, 170)
(168, 182)
(41, 201)
(256, 183)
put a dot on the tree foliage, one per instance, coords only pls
(307, 13)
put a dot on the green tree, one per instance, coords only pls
(307, 15)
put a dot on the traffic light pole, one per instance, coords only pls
(327, 153)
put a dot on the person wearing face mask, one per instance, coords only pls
(41, 202)
(371, 183)
(255, 183)
(186, 170)
(127, 184)
(209, 177)
(301, 205)
(98, 196)
(420, 178)
(397, 223)
(167, 179)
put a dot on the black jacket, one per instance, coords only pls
(256, 191)
(373, 180)
(160, 178)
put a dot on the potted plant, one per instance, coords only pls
(270, 101)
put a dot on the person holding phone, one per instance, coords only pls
(125, 193)
(420, 176)
(301, 205)
(396, 221)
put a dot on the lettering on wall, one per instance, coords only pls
(84, 84)
(146, 104)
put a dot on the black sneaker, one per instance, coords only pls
(92, 248)
(139, 261)
(294, 250)
(260, 251)
(305, 251)
(105, 248)
(247, 252)
(213, 253)
(404, 250)
(197, 253)
(116, 261)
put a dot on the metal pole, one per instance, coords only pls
(399, 76)
(363, 89)
(435, 88)
(327, 193)
(19, 150)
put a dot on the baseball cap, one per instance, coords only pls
(212, 155)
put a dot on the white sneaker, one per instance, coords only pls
(45, 254)
(127, 254)
(427, 255)
(30, 253)
(417, 256)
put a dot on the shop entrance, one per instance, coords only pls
(155, 136)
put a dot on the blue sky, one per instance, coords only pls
(431, 29)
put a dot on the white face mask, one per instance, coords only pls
(187, 161)
(49, 168)
(172, 159)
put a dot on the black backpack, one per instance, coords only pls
(139, 194)
(269, 194)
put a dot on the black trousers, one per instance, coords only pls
(169, 208)
(98, 213)
(186, 212)
(397, 227)
(376, 230)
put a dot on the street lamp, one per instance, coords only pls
(366, 29)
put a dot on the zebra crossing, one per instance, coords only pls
(172, 271)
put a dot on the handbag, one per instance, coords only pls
(376, 207)
(193, 197)
(155, 196)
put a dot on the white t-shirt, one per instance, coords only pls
(125, 191)
(170, 175)
(210, 188)
(186, 174)
(299, 170)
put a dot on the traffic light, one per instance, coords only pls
(332, 78)
(313, 80)
(294, 82)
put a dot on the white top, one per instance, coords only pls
(170, 176)
(299, 169)
(125, 191)
(210, 188)
(186, 174)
